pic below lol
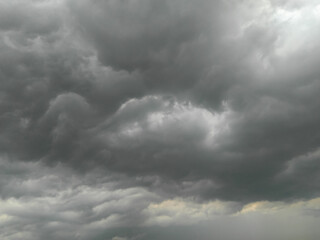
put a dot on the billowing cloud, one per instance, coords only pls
(120, 118)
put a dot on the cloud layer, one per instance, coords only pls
(207, 102)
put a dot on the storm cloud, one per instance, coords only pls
(120, 118)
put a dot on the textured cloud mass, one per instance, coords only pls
(149, 119)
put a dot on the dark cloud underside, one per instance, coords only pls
(207, 100)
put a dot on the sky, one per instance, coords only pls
(159, 119)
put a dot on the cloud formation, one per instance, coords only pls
(185, 106)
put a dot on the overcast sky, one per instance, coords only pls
(159, 119)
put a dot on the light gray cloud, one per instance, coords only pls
(57, 203)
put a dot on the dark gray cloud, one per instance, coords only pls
(207, 100)
(189, 95)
